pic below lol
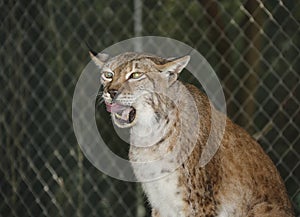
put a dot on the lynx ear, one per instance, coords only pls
(172, 68)
(99, 58)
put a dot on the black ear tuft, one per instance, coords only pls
(90, 49)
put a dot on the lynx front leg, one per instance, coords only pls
(155, 213)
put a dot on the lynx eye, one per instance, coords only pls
(107, 75)
(136, 75)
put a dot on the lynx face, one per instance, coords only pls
(132, 81)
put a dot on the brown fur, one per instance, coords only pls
(239, 181)
(239, 165)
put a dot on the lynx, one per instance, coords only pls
(170, 123)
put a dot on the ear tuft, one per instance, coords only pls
(92, 52)
(175, 65)
(98, 58)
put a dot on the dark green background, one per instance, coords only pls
(253, 48)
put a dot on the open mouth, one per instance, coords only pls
(123, 116)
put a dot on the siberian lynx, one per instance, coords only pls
(169, 125)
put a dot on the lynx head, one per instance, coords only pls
(131, 80)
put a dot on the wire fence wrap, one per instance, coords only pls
(252, 45)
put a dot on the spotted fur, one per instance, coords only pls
(173, 120)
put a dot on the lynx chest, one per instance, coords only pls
(166, 196)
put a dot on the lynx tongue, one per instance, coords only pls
(121, 111)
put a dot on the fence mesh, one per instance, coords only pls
(252, 45)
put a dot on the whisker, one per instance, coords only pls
(99, 99)
(99, 94)
(95, 94)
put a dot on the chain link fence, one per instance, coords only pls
(252, 45)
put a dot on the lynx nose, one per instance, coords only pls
(113, 93)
